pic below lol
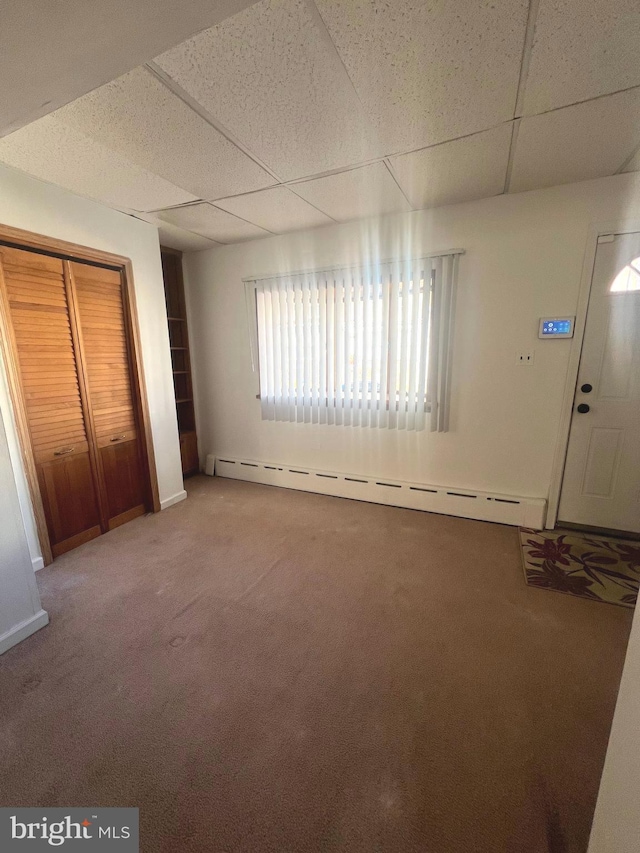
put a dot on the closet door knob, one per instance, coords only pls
(583, 408)
(118, 437)
(63, 451)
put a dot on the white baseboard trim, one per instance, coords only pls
(23, 630)
(466, 503)
(174, 499)
(37, 563)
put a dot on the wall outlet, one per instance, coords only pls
(525, 357)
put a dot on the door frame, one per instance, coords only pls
(20, 239)
(595, 231)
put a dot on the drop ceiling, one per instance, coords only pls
(55, 52)
(291, 114)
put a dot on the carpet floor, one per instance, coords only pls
(266, 670)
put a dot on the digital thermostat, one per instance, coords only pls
(556, 327)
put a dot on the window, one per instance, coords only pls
(627, 279)
(360, 346)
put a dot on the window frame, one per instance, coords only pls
(252, 285)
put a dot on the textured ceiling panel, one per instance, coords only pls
(55, 52)
(634, 163)
(368, 191)
(315, 86)
(139, 118)
(277, 209)
(178, 238)
(582, 49)
(428, 72)
(210, 222)
(462, 170)
(271, 76)
(55, 153)
(576, 143)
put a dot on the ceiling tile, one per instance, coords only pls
(57, 154)
(277, 209)
(53, 53)
(138, 117)
(581, 49)
(185, 241)
(428, 72)
(178, 238)
(210, 222)
(272, 77)
(358, 193)
(576, 143)
(634, 163)
(462, 170)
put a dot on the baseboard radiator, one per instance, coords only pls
(485, 506)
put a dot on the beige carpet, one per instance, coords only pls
(266, 670)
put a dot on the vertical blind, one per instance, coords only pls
(359, 346)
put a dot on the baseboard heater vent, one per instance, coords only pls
(504, 509)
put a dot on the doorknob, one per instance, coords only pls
(586, 388)
(583, 408)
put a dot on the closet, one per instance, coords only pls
(67, 328)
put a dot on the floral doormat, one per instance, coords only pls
(582, 564)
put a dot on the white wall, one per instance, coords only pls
(45, 209)
(616, 823)
(20, 610)
(524, 256)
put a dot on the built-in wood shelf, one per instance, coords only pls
(180, 358)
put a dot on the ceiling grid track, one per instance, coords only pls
(236, 216)
(179, 92)
(532, 16)
(292, 182)
(338, 171)
(326, 37)
(310, 203)
(515, 127)
(184, 96)
(391, 171)
(628, 160)
(198, 202)
(584, 101)
(527, 47)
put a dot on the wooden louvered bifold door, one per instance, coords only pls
(102, 328)
(37, 298)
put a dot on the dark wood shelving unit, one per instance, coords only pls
(180, 358)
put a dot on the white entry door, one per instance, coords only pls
(601, 485)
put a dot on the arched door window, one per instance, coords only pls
(627, 279)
